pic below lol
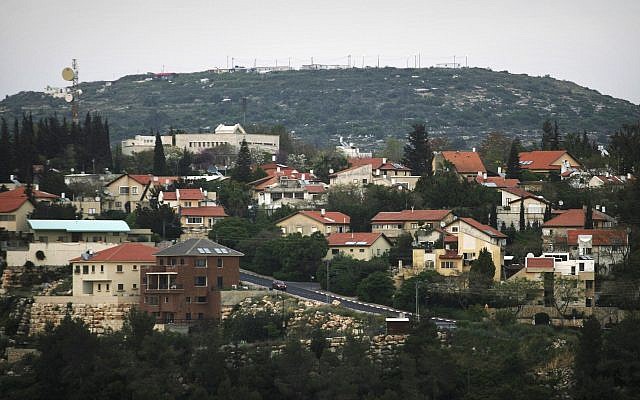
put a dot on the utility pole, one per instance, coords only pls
(327, 264)
(417, 304)
(378, 60)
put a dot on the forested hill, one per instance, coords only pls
(465, 103)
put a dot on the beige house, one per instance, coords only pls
(198, 221)
(14, 213)
(184, 198)
(395, 223)
(111, 272)
(555, 231)
(99, 231)
(547, 161)
(467, 164)
(607, 247)
(359, 245)
(511, 201)
(309, 222)
(89, 207)
(127, 191)
(460, 243)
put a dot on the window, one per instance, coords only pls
(99, 287)
(589, 284)
(187, 204)
(447, 265)
(573, 270)
(201, 299)
(187, 316)
(200, 281)
(160, 261)
(220, 282)
(335, 251)
(85, 269)
(92, 211)
(135, 267)
(43, 239)
(118, 268)
(118, 204)
(7, 217)
(200, 315)
(93, 269)
(587, 250)
(182, 261)
(151, 300)
(107, 289)
(454, 229)
(166, 299)
(173, 261)
(77, 269)
(220, 262)
(188, 299)
(124, 190)
(102, 269)
(120, 287)
(361, 250)
(134, 190)
(134, 286)
(201, 262)
(581, 267)
(96, 239)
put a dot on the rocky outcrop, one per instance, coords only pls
(99, 318)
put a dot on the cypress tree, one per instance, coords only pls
(513, 164)
(242, 171)
(522, 224)
(547, 135)
(6, 155)
(547, 213)
(588, 216)
(159, 160)
(16, 167)
(184, 164)
(556, 138)
(417, 151)
(493, 216)
(107, 160)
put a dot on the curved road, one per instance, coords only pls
(311, 291)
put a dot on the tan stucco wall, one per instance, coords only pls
(305, 225)
(20, 223)
(101, 274)
(378, 248)
(56, 254)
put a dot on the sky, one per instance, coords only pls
(592, 43)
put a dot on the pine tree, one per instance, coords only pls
(547, 135)
(513, 164)
(27, 149)
(588, 216)
(242, 171)
(521, 223)
(159, 160)
(417, 151)
(482, 271)
(6, 156)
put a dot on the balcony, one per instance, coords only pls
(162, 283)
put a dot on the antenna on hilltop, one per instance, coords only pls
(71, 74)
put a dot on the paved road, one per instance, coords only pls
(312, 291)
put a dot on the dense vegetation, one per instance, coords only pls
(316, 104)
(477, 361)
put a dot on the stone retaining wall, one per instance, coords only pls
(100, 318)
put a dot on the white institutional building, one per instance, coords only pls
(196, 142)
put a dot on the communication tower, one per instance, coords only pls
(70, 74)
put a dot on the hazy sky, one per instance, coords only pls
(592, 43)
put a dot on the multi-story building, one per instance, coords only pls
(284, 185)
(14, 213)
(555, 230)
(127, 191)
(184, 198)
(111, 272)
(74, 230)
(377, 171)
(198, 221)
(141, 143)
(508, 213)
(548, 161)
(309, 222)
(395, 223)
(607, 247)
(227, 134)
(467, 164)
(186, 280)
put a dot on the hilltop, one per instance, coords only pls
(463, 104)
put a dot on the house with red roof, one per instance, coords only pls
(547, 161)
(609, 180)
(555, 232)
(606, 246)
(498, 182)
(512, 199)
(374, 170)
(112, 272)
(14, 212)
(128, 190)
(451, 250)
(184, 198)
(359, 245)
(284, 185)
(395, 223)
(308, 222)
(197, 221)
(467, 164)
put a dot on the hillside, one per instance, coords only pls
(463, 104)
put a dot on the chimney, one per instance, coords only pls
(377, 171)
(384, 160)
(604, 209)
(273, 158)
(484, 176)
(205, 193)
(479, 174)
(62, 195)
(473, 149)
(597, 206)
(278, 169)
(323, 212)
(500, 171)
(303, 177)
(629, 175)
(311, 171)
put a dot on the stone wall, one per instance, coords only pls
(100, 318)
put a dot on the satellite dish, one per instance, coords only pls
(68, 74)
(79, 91)
(68, 97)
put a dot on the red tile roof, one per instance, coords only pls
(539, 262)
(169, 196)
(489, 230)
(599, 237)
(522, 194)
(156, 180)
(315, 189)
(411, 215)
(497, 181)
(610, 180)
(353, 239)
(20, 192)
(211, 211)
(574, 218)
(465, 161)
(124, 252)
(541, 159)
(377, 163)
(329, 217)
(190, 194)
(11, 204)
